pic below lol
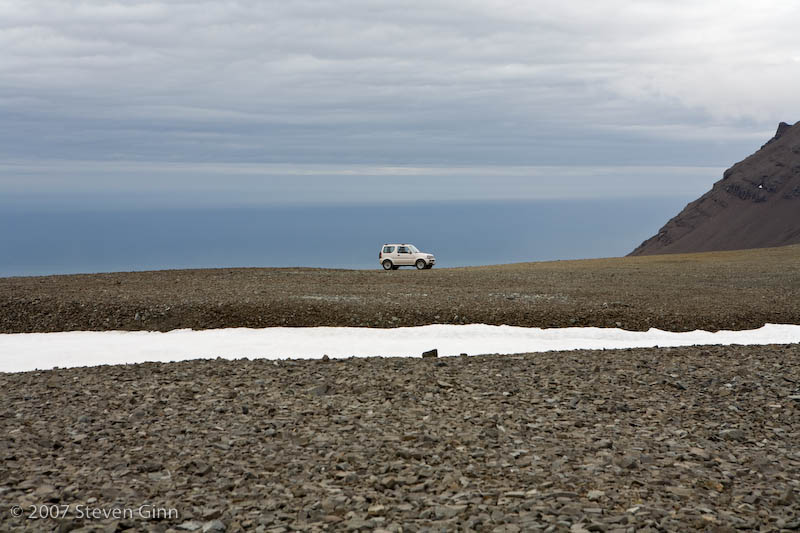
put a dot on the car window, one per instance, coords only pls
(388, 249)
(402, 250)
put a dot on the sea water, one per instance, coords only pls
(38, 242)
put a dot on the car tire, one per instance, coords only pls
(429, 267)
(421, 264)
(387, 265)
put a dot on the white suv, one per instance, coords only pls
(393, 256)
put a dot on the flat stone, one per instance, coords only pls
(376, 510)
(732, 434)
(444, 512)
(320, 390)
(700, 453)
(214, 526)
(595, 495)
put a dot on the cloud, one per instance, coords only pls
(414, 83)
(130, 183)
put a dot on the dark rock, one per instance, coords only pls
(628, 461)
(783, 127)
(430, 353)
(602, 444)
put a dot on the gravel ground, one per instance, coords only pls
(720, 290)
(701, 438)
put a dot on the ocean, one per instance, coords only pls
(459, 234)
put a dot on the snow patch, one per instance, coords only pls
(21, 352)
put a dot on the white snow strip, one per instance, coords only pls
(21, 352)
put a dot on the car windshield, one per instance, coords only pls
(413, 248)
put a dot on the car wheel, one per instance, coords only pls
(420, 264)
(395, 267)
(429, 267)
(387, 265)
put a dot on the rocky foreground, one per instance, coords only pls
(701, 438)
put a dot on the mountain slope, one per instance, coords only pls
(756, 204)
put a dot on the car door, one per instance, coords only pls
(404, 256)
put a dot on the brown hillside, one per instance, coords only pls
(756, 204)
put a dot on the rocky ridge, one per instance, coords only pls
(756, 204)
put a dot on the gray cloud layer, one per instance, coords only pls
(349, 82)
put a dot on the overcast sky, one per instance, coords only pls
(257, 102)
